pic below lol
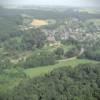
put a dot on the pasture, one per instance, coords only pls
(38, 71)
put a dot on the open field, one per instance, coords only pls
(92, 11)
(34, 72)
(12, 81)
(39, 22)
(96, 21)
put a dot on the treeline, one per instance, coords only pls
(26, 40)
(9, 27)
(12, 38)
(9, 21)
(42, 58)
(79, 83)
(92, 52)
(49, 14)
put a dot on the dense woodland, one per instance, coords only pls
(79, 83)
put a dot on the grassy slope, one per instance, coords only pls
(38, 71)
(10, 82)
(34, 72)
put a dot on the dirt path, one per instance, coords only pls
(81, 52)
(75, 57)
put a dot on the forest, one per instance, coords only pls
(67, 83)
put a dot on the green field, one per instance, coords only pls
(91, 11)
(12, 81)
(34, 72)
(95, 21)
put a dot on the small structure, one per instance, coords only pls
(52, 41)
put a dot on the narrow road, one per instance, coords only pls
(81, 52)
(75, 57)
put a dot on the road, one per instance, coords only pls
(75, 57)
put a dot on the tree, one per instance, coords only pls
(33, 38)
(40, 59)
(78, 83)
(59, 52)
(73, 52)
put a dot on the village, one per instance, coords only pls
(69, 28)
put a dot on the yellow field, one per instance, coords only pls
(39, 23)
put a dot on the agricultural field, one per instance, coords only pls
(95, 21)
(38, 22)
(92, 11)
(41, 22)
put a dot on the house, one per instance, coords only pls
(52, 41)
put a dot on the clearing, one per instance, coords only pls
(39, 22)
(34, 72)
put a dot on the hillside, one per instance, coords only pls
(39, 46)
(80, 82)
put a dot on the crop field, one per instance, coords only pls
(39, 22)
(95, 21)
(92, 11)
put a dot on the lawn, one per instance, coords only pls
(34, 72)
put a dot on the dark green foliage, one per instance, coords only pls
(9, 27)
(5, 64)
(40, 59)
(73, 52)
(79, 83)
(92, 55)
(33, 38)
(90, 27)
(27, 41)
(59, 52)
(12, 44)
(70, 41)
(92, 52)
